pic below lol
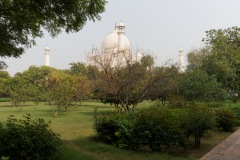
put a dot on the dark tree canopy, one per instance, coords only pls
(224, 61)
(196, 57)
(21, 21)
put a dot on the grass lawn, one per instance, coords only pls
(76, 128)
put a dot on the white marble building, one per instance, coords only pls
(47, 56)
(115, 50)
(181, 66)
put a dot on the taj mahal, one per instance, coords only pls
(115, 52)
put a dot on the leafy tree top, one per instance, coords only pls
(22, 21)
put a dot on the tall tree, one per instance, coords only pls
(22, 21)
(81, 69)
(4, 76)
(224, 60)
(147, 61)
(36, 76)
(196, 57)
(59, 91)
(197, 85)
(126, 86)
(82, 88)
(19, 90)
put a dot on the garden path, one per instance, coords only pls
(229, 149)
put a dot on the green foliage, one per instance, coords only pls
(147, 61)
(196, 57)
(197, 85)
(37, 76)
(226, 119)
(59, 91)
(28, 139)
(5, 99)
(81, 69)
(197, 120)
(224, 62)
(4, 158)
(127, 86)
(76, 129)
(4, 76)
(116, 129)
(159, 129)
(215, 104)
(176, 101)
(236, 110)
(22, 21)
(19, 90)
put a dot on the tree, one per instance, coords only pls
(82, 88)
(19, 90)
(196, 57)
(147, 61)
(22, 21)
(4, 76)
(81, 69)
(197, 85)
(37, 76)
(126, 86)
(197, 120)
(59, 91)
(78, 68)
(224, 61)
(167, 87)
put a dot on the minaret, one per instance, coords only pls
(47, 56)
(181, 67)
(120, 33)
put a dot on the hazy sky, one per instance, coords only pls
(157, 26)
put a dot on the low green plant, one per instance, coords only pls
(196, 121)
(236, 110)
(158, 129)
(4, 158)
(226, 119)
(215, 104)
(28, 139)
(115, 128)
(5, 100)
(154, 128)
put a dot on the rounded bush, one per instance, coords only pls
(159, 129)
(226, 119)
(236, 110)
(196, 121)
(115, 129)
(29, 139)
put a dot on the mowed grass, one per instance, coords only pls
(76, 129)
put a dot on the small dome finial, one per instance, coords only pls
(121, 26)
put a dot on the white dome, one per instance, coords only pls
(110, 42)
(47, 48)
(121, 24)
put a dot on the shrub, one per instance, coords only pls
(215, 104)
(116, 129)
(28, 139)
(236, 110)
(196, 121)
(226, 119)
(5, 100)
(176, 101)
(159, 129)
